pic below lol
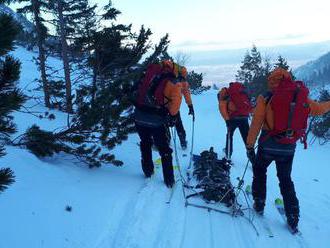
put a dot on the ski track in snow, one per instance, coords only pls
(134, 214)
(139, 217)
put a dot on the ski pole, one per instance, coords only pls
(191, 149)
(228, 150)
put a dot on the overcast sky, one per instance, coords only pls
(218, 24)
(214, 24)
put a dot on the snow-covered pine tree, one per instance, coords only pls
(251, 66)
(282, 63)
(70, 17)
(251, 72)
(195, 81)
(255, 70)
(10, 97)
(320, 125)
(35, 8)
(113, 57)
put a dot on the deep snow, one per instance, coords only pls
(117, 207)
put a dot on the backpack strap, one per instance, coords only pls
(267, 96)
(292, 107)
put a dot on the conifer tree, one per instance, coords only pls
(70, 19)
(35, 8)
(113, 56)
(320, 125)
(282, 63)
(195, 81)
(10, 97)
(251, 66)
(255, 70)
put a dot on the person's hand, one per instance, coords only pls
(191, 111)
(251, 154)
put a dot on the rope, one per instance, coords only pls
(237, 208)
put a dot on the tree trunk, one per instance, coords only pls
(65, 58)
(42, 57)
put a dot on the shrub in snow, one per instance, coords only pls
(195, 81)
(82, 144)
(6, 178)
(320, 125)
(255, 70)
(11, 98)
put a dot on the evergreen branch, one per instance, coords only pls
(7, 178)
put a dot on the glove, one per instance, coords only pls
(191, 111)
(171, 120)
(251, 155)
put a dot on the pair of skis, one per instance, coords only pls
(280, 208)
(259, 217)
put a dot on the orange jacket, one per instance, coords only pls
(173, 96)
(263, 117)
(225, 106)
(186, 92)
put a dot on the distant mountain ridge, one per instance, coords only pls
(299, 52)
(21, 19)
(316, 72)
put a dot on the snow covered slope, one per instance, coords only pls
(59, 203)
(317, 71)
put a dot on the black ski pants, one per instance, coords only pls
(180, 129)
(243, 125)
(160, 136)
(283, 167)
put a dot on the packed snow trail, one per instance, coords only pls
(115, 207)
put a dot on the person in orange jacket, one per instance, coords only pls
(271, 149)
(235, 108)
(152, 121)
(182, 78)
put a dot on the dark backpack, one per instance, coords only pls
(289, 103)
(238, 95)
(150, 91)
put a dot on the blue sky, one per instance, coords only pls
(218, 24)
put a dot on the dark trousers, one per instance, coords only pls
(243, 126)
(283, 167)
(180, 129)
(160, 136)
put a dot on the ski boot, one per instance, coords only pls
(292, 221)
(183, 144)
(259, 206)
(169, 183)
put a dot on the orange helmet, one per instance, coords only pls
(183, 72)
(276, 76)
(167, 65)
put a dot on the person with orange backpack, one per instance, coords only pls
(282, 115)
(182, 78)
(157, 102)
(235, 108)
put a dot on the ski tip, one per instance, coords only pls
(278, 201)
(248, 189)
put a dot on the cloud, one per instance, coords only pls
(234, 44)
